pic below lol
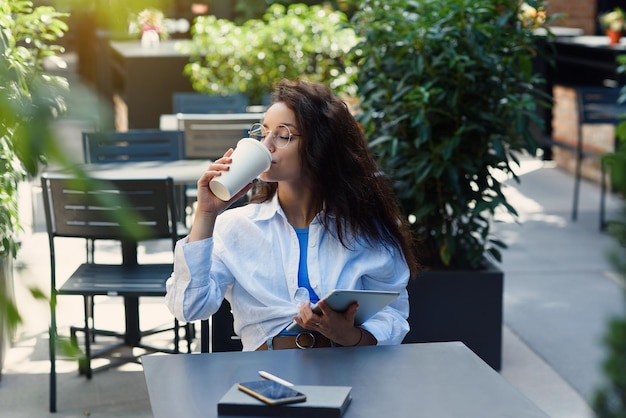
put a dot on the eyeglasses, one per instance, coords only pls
(281, 135)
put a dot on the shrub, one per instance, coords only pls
(298, 41)
(446, 92)
(28, 100)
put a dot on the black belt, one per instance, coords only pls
(303, 340)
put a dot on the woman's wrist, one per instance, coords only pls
(202, 227)
(361, 332)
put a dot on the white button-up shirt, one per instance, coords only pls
(252, 261)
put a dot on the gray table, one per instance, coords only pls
(410, 380)
(183, 172)
(145, 80)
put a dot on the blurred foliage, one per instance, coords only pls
(113, 15)
(107, 13)
(447, 91)
(254, 9)
(610, 399)
(29, 99)
(298, 41)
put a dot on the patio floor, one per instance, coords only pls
(559, 292)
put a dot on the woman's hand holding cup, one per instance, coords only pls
(226, 180)
(207, 201)
(208, 205)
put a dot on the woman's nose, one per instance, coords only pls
(267, 141)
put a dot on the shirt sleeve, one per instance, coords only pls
(191, 292)
(390, 326)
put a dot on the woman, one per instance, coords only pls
(321, 218)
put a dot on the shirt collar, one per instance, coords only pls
(272, 208)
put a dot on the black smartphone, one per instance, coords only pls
(272, 393)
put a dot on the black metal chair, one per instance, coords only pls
(217, 333)
(133, 145)
(127, 211)
(138, 145)
(595, 105)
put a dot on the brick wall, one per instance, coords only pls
(599, 138)
(577, 14)
(596, 138)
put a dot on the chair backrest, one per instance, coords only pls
(131, 210)
(209, 136)
(133, 145)
(204, 103)
(598, 105)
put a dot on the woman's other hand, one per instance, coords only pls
(337, 326)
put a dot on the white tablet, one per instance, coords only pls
(370, 302)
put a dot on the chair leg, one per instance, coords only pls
(176, 336)
(85, 366)
(602, 196)
(52, 334)
(190, 334)
(92, 317)
(204, 336)
(577, 176)
(88, 300)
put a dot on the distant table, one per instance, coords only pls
(574, 61)
(146, 78)
(181, 171)
(587, 61)
(409, 380)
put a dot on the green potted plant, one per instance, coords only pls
(447, 91)
(28, 100)
(609, 400)
(150, 25)
(288, 42)
(613, 23)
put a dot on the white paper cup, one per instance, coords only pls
(250, 159)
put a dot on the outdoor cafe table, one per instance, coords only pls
(144, 78)
(182, 172)
(408, 380)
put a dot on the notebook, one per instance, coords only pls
(321, 401)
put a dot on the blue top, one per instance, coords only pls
(303, 272)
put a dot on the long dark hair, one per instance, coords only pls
(346, 181)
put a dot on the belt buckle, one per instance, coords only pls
(305, 333)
